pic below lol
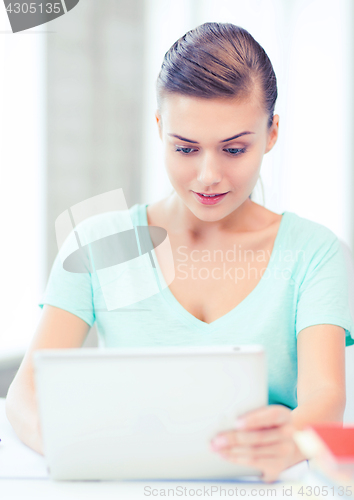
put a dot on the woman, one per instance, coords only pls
(287, 289)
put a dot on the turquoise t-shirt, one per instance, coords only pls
(305, 284)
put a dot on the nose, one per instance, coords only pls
(209, 172)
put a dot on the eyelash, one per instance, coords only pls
(240, 151)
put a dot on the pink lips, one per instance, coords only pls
(212, 200)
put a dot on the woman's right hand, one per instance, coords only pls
(57, 329)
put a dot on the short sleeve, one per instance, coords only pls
(70, 291)
(323, 295)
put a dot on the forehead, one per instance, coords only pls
(222, 117)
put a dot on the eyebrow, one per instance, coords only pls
(224, 140)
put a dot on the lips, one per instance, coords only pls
(209, 200)
(210, 194)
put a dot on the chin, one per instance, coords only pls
(204, 214)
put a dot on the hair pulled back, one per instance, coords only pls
(218, 60)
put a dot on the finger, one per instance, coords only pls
(271, 468)
(281, 449)
(235, 438)
(267, 416)
(270, 477)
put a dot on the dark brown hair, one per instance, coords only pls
(218, 60)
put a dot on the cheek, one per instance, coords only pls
(179, 171)
(244, 172)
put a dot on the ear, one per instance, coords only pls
(159, 122)
(273, 134)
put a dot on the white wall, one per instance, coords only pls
(22, 156)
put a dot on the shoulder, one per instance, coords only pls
(108, 223)
(94, 228)
(308, 233)
(310, 244)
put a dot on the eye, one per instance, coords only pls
(236, 151)
(185, 151)
(232, 151)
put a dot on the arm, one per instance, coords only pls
(321, 377)
(56, 329)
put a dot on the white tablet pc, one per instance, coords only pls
(145, 413)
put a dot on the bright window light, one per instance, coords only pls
(22, 181)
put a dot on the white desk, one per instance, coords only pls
(23, 475)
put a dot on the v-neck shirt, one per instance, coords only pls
(304, 284)
(194, 322)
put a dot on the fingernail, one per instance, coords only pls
(239, 423)
(219, 442)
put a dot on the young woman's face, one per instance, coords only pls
(202, 154)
